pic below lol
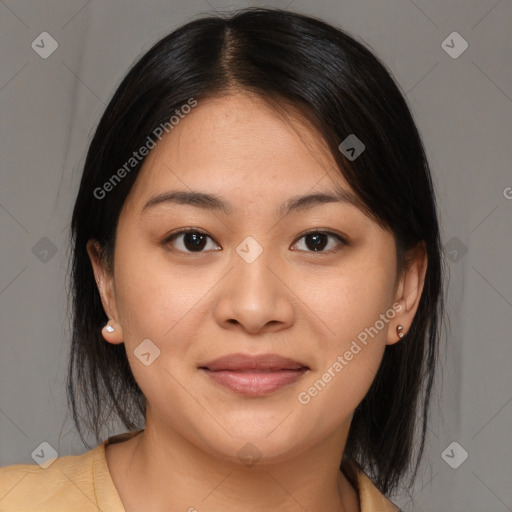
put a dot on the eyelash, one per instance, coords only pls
(340, 238)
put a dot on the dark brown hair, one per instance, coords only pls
(341, 88)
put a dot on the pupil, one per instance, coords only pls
(197, 241)
(317, 244)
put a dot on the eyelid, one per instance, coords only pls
(325, 231)
(343, 239)
(168, 238)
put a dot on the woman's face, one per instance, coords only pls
(251, 284)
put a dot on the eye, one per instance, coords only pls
(316, 241)
(192, 240)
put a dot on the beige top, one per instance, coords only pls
(82, 483)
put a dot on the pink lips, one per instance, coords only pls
(254, 375)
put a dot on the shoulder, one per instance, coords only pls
(81, 483)
(370, 498)
(66, 484)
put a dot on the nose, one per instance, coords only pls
(255, 296)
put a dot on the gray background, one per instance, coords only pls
(463, 109)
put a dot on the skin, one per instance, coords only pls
(292, 300)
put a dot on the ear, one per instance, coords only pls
(105, 282)
(409, 289)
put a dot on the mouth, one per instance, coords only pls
(254, 375)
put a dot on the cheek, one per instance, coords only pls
(159, 304)
(347, 366)
(165, 304)
(356, 308)
(350, 302)
(154, 296)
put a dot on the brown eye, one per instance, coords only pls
(195, 241)
(317, 241)
(190, 240)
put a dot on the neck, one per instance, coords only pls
(177, 474)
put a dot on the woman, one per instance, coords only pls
(256, 281)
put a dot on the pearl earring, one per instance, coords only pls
(399, 331)
(109, 328)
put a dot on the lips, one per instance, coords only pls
(243, 362)
(254, 375)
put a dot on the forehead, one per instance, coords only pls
(238, 146)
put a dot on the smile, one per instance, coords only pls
(254, 375)
(255, 383)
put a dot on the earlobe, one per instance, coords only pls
(112, 331)
(396, 334)
(409, 293)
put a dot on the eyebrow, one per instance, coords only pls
(213, 202)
